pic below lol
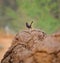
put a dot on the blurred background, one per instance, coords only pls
(15, 13)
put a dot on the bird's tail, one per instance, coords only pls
(31, 23)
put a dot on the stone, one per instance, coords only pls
(33, 46)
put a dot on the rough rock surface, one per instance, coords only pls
(33, 46)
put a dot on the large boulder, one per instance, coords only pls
(33, 46)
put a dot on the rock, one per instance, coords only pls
(33, 46)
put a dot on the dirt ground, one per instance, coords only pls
(5, 42)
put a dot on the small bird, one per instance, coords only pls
(29, 25)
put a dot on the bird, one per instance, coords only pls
(29, 25)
